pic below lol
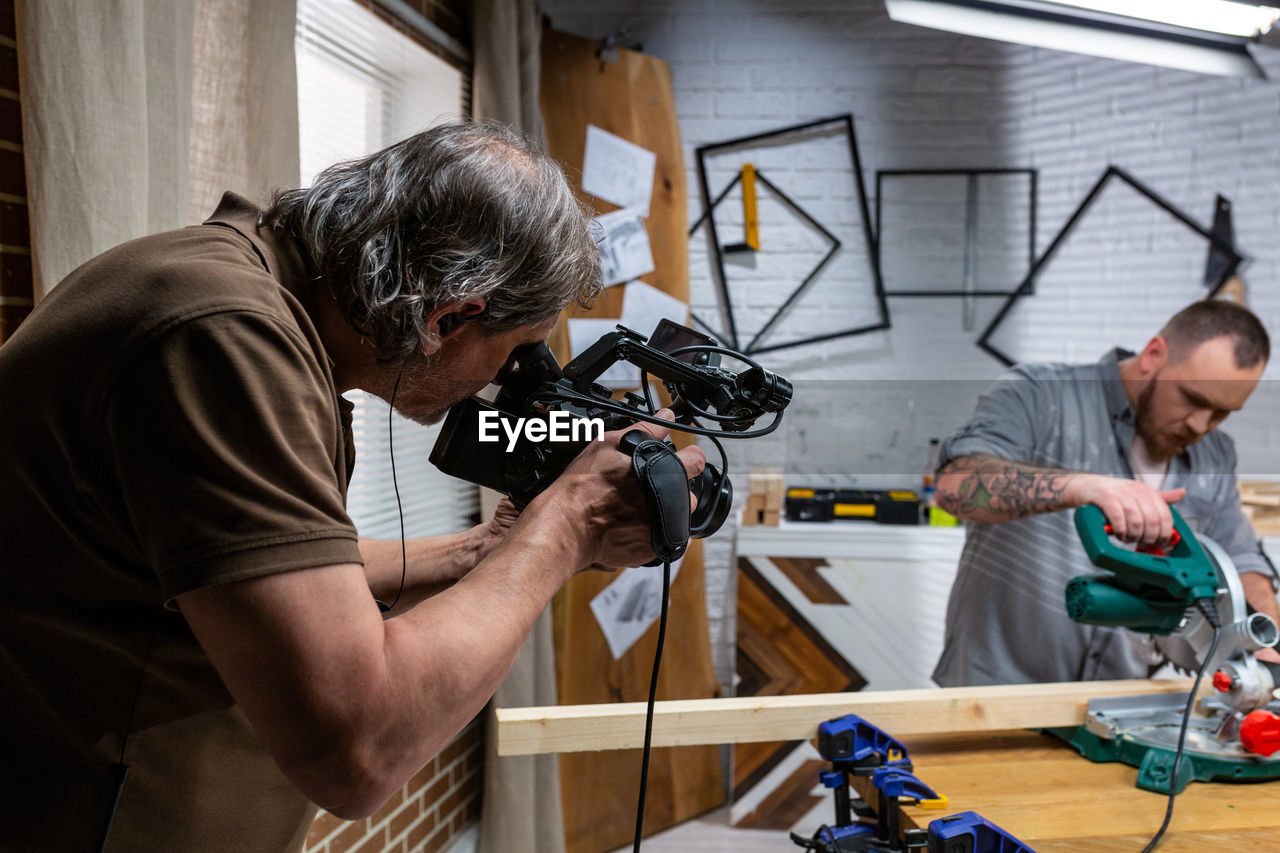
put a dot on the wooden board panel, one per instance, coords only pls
(631, 98)
(1042, 791)
(746, 719)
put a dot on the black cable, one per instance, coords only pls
(724, 457)
(391, 451)
(718, 497)
(635, 414)
(694, 429)
(657, 654)
(587, 400)
(648, 392)
(648, 401)
(720, 419)
(700, 348)
(563, 396)
(653, 693)
(1211, 614)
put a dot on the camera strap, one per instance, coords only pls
(665, 484)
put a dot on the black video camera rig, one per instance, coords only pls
(701, 388)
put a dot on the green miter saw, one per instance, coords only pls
(1235, 733)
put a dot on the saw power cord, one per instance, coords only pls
(662, 630)
(653, 693)
(1210, 612)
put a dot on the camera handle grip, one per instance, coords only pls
(665, 485)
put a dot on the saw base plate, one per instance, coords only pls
(1142, 731)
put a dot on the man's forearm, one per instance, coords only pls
(351, 703)
(1259, 594)
(1262, 598)
(439, 663)
(433, 564)
(990, 489)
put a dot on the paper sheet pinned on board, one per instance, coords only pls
(627, 607)
(624, 248)
(644, 306)
(585, 331)
(618, 171)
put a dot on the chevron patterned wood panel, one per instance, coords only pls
(779, 653)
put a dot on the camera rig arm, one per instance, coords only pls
(698, 384)
(689, 366)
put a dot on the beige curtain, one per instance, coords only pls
(244, 132)
(521, 808)
(506, 53)
(126, 106)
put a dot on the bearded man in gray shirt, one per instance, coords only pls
(1131, 434)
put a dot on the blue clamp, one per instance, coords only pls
(896, 782)
(851, 742)
(833, 778)
(970, 832)
(854, 746)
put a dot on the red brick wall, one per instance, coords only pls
(15, 237)
(432, 809)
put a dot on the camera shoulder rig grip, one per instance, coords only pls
(665, 484)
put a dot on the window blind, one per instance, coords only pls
(361, 86)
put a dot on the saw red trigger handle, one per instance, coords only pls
(1156, 549)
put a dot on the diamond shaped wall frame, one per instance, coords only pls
(729, 335)
(1230, 258)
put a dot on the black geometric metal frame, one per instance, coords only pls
(1233, 259)
(730, 335)
(800, 288)
(1033, 176)
(1224, 230)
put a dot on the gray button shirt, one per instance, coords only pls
(1006, 618)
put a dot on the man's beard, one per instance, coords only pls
(423, 394)
(1160, 450)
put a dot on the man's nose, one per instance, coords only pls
(1199, 421)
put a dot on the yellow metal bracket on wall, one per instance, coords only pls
(750, 223)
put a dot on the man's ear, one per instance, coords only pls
(446, 318)
(1154, 356)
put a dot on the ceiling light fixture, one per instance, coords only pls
(1072, 27)
(1245, 20)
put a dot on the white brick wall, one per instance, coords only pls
(926, 99)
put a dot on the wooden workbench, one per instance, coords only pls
(1045, 793)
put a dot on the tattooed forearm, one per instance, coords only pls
(990, 489)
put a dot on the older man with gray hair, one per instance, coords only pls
(193, 649)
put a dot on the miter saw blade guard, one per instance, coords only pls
(1143, 730)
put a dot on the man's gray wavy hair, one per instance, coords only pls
(456, 212)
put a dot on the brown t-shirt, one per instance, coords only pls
(168, 421)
